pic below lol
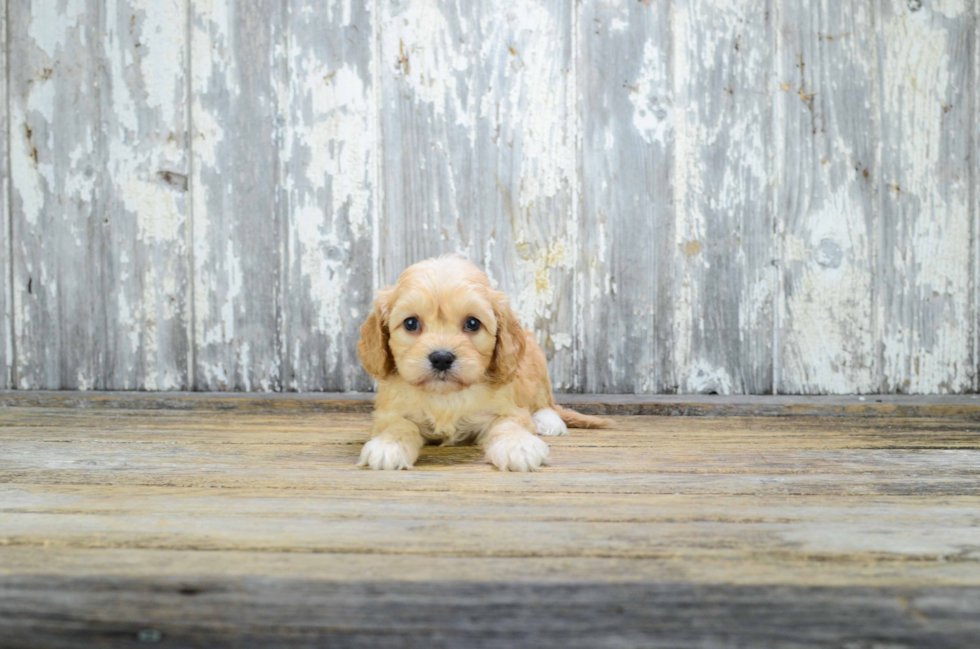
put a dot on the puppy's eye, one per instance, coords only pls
(411, 324)
(471, 324)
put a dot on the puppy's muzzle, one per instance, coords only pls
(442, 360)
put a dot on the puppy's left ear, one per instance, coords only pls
(373, 348)
(511, 340)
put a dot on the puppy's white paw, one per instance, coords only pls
(518, 452)
(549, 423)
(388, 453)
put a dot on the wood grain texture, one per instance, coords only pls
(6, 261)
(695, 197)
(145, 261)
(237, 115)
(826, 168)
(724, 239)
(158, 565)
(145, 139)
(56, 205)
(248, 528)
(97, 170)
(924, 248)
(208, 449)
(625, 272)
(329, 179)
(304, 613)
(479, 151)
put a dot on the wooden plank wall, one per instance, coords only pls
(6, 290)
(733, 196)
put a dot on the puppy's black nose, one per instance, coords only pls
(442, 360)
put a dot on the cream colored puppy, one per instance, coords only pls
(455, 365)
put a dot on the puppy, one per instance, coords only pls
(454, 365)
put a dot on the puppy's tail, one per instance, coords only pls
(574, 419)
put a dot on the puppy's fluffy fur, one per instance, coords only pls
(495, 393)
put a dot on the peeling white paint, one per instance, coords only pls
(52, 23)
(81, 179)
(146, 115)
(950, 8)
(233, 278)
(337, 138)
(928, 352)
(419, 43)
(162, 37)
(208, 50)
(688, 176)
(217, 274)
(701, 377)
(721, 172)
(84, 381)
(618, 25)
(487, 90)
(561, 341)
(651, 110)
(488, 262)
(127, 320)
(321, 274)
(330, 168)
(539, 91)
(6, 283)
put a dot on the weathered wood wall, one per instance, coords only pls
(734, 196)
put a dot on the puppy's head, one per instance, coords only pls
(442, 328)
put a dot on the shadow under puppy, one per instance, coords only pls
(455, 365)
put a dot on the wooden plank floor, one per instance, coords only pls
(251, 526)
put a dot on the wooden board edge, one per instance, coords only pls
(959, 406)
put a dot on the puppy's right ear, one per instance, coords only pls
(373, 348)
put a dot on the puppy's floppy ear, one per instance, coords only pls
(511, 340)
(373, 348)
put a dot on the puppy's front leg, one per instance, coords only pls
(510, 446)
(396, 447)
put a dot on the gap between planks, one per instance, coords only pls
(694, 405)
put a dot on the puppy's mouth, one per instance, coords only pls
(442, 381)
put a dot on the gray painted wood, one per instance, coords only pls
(672, 201)
(237, 75)
(144, 263)
(479, 151)
(625, 270)
(6, 265)
(58, 232)
(97, 162)
(724, 239)
(329, 183)
(826, 173)
(975, 186)
(927, 311)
